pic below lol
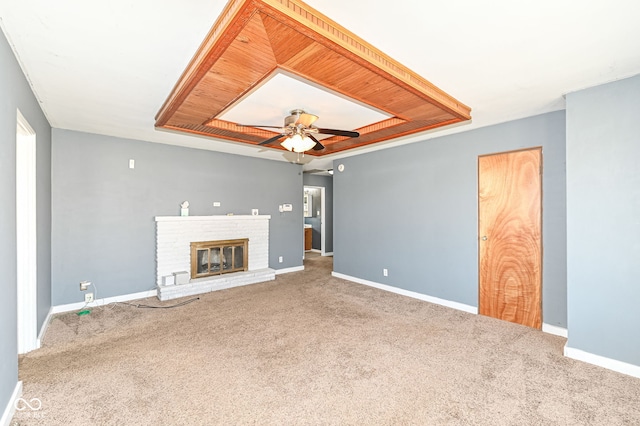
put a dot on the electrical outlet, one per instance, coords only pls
(84, 285)
(385, 272)
(88, 298)
(280, 259)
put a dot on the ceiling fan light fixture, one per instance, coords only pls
(298, 143)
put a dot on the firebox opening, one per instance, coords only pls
(218, 257)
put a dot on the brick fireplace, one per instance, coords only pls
(174, 238)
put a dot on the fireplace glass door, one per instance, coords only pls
(218, 257)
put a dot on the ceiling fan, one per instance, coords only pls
(299, 132)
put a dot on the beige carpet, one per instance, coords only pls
(311, 349)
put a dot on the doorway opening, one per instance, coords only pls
(314, 217)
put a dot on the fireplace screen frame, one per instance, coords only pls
(219, 245)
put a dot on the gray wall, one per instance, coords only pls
(327, 183)
(603, 217)
(413, 210)
(103, 212)
(16, 94)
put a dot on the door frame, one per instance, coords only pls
(26, 236)
(541, 169)
(322, 216)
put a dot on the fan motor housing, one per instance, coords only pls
(291, 120)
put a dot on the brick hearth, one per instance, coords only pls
(175, 233)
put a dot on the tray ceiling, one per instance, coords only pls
(253, 41)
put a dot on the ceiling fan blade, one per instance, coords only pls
(346, 133)
(273, 139)
(318, 146)
(306, 119)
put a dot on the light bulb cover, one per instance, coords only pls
(288, 143)
(297, 143)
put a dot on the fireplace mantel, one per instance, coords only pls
(212, 218)
(174, 235)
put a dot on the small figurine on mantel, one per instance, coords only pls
(184, 209)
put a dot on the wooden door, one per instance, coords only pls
(510, 242)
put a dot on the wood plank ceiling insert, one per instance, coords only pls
(253, 39)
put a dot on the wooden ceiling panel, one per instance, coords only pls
(426, 112)
(392, 132)
(235, 73)
(252, 38)
(285, 41)
(342, 75)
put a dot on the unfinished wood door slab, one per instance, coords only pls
(510, 246)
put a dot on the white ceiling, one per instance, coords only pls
(274, 99)
(107, 67)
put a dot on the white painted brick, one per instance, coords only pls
(174, 235)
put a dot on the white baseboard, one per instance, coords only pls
(601, 361)
(326, 253)
(554, 329)
(420, 296)
(99, 302)
(547, 328)
(10, 409)
(287, 270)
(43, 330)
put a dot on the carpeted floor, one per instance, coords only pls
(308, 348)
